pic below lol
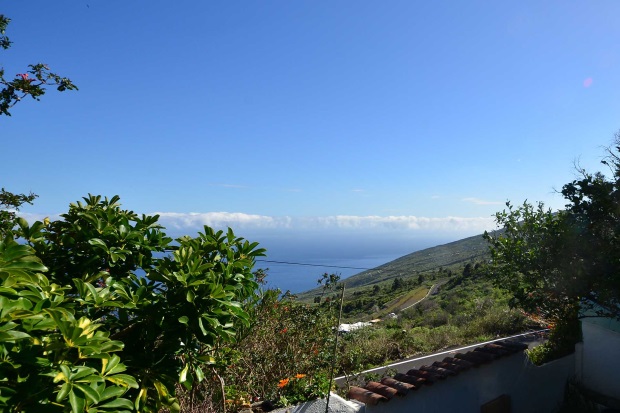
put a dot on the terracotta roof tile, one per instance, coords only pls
(475, 357)
(381, 389)
(491, 353)
(365, 396)
(401, 387)
(450, 366)
(439, 370)
(460, 362)
(498, 349)
(402, 384)
(514, 344)
(416, 381)
(431, 377)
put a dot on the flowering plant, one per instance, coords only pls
(33, 83)
(284, 355)
(301, 388)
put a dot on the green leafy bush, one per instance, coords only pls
(51, 361)
(109, 293)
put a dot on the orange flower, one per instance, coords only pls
(300, 376)
(282, 383)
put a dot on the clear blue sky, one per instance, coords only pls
(393, 116)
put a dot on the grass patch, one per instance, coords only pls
(405, 300)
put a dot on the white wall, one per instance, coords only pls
(532, 389)
(336, 405)
(598, 358)
(532, 340)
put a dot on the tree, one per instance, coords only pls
(467, 270)
(31, 83)
(397, 284)
(97, 288)
(530, 258)
(566, 264)
(594, 217)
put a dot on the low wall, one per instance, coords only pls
(336, 405)
(532, 339)
(598, 358)
(531, 389)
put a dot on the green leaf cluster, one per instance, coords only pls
(49, 360)
(101, 311)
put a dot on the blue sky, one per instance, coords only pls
(379, 120)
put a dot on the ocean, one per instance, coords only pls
(345, 257)
(299, 278)
(296, 259)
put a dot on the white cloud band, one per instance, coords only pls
(250, 221)
(193, 221)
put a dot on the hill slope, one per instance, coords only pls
(446, 256)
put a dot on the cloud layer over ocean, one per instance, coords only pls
(188, 223)
(192, 221)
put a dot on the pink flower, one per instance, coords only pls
(24, 76)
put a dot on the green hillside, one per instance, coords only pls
(435, 259)
(441, 297)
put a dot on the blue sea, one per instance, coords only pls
(329, 256)
(299, 278)
(302, 257)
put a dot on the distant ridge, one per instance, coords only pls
(445, 256)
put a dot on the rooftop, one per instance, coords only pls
(416, 379)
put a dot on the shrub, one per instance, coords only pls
(284, 340)
(107, 297)
(52, 361)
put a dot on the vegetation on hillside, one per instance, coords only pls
(440, 261)
(466, 309)
(382, 299)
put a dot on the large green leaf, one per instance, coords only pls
(19, 257)
(118, 403)
(13, 336)
(124, 380)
